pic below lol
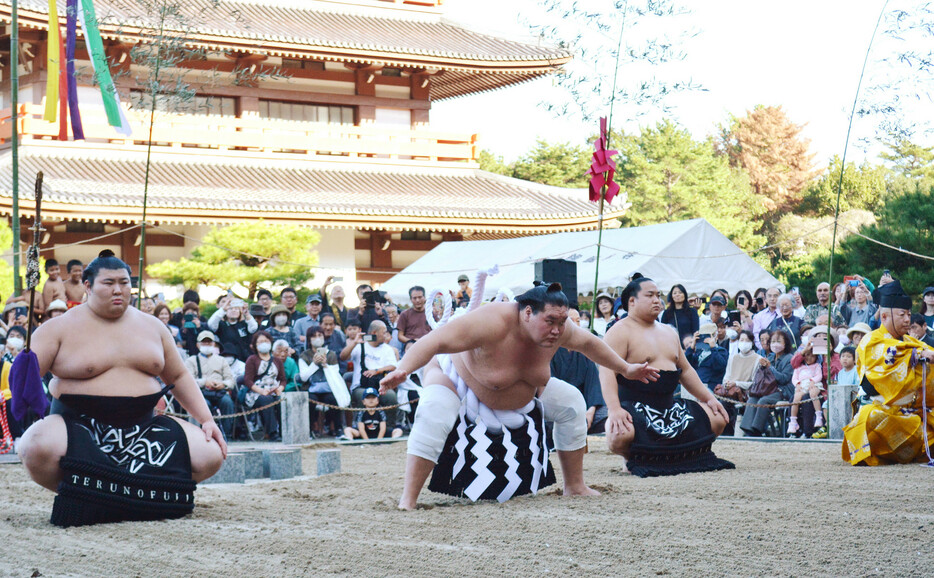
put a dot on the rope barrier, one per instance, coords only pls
(277, 402)
(6, 444)
(767, 405)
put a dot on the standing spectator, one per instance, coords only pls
(778, 361)
(758, 300)
(848, 375)
(288, 298)
(264, 298)
(234, 326)
(861, 310)
(75, 293)
(264, 379)
(261, 316)
(717, 310)
(462, 299)
(393, 313)
(798, 303)
(190, 322)
(279, 327)
(372, 360)
(412, 323)
(927, 308)
(337, 307)
(311, 365)
(165, 315)
(56, 308)
(357, 313)
(603, 313)
(54, 287)
(822, 307)
(313, 307)
(744, 306)
(787, 321)
(679, 314)
(146, 305)
(764, 318)
(214, 377)
(585, 319)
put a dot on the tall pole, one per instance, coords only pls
(14, 115)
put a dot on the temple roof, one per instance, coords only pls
(469, 61)
(192, 188)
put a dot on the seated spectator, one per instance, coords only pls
(372, 360)
(264, 380)
(778, 362)
(237, 367)
(848, 375)
(808, 381)
(56, 308)
(707, 357)
(765, 338)
(918, 329)
(16, 341)
(311, 376)
(575, 368)
(214, 377)
(257, 312)
(679, 314)
(282, 352)
(23, 300)
(742, 365)
(334, 339)
(146, 305)
(234, 326)
(787, 321)
(164, 314)
(280, 328)
(191, 325)
(856, 333)
(370, 424)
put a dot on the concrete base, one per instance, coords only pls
(839, 408)
(253, 464)
(282, 464)
(295, 418)
(232, 472)
(329, 462)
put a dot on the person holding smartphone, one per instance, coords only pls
(372, 358)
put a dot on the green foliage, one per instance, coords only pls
(864, 187)
(560, 165)
(909, 159)
(671, 177)
(276, 245)
(907, 222)
(493, 163)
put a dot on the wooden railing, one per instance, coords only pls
(257, 135)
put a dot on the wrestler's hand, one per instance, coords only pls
(641, 372)
(212, 432)
(717, 408)
(392, 380)
(618, 422)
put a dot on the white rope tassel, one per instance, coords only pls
(446, 301)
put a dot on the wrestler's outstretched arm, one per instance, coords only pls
(186, 390)
(470, 331)
(578, 339)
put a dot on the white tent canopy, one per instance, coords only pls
(692, 253)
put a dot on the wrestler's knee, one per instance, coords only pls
(437, 411)
(206, 455)
(564, 404)
(618, 443)
(44, 442)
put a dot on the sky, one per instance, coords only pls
(803, 55)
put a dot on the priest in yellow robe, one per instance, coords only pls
(891, 429)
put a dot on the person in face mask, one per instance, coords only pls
(311, 377)
(778, 362)
(264, 379)
(280, 328)
(15, 342)
(213, 375)
(237, 367)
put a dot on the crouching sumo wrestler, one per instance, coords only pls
(103, 450)
(488, 374)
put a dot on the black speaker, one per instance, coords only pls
(559, 271)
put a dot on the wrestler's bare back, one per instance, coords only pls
(508, 368)
(635, 342)
(89, 354)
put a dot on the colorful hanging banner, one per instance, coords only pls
(53, 66)
(92, 38)
(62, 91)
(71, 32)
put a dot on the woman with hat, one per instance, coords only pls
(603, 313)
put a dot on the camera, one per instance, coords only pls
(733, 317)
(21, 310)
(759, 301)
(854, 283)
(373, 297)
(886, 272)
(369, 338)
(704, 337)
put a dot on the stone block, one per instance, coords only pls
(329, 462)
(295, 418)
(839, 408)
(253, 464)
(232, 472)
(283, 463)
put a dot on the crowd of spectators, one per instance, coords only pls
(766, 347)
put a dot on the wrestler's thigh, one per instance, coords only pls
(434, 375)
(717, 424)
(45, 440)
(206, 456)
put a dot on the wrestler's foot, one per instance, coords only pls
(581, 490)
(406, 505)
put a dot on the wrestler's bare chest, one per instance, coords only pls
(93, 348)
(505, 377)
(656, 345)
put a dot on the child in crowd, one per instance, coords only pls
(370, 424)
(848, 375)
(808, 380)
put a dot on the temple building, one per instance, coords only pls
(314, 113)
